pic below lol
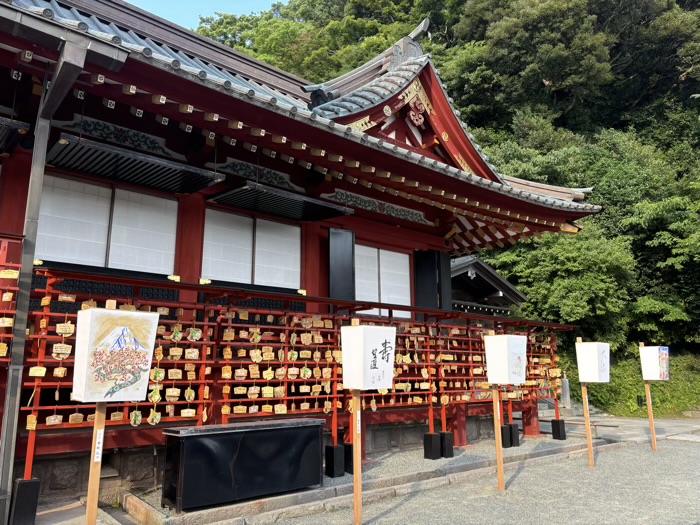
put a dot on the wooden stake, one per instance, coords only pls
(98, 435)
(495, 392)
(587, 416)
(357, 455)
(650, 411)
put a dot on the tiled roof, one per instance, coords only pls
(157, 52)
(375, 92)
(195, 69)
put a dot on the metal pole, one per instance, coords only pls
(14, 374)
(69, 66)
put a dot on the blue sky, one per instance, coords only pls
(187, 13)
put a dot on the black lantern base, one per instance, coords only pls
(335, 461)
(348, 458)
(558, 429)
(514, 435)
(506, 441)
(447, 444)
(431, 446)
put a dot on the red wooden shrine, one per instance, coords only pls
(351, 195)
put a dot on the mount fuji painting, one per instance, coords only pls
(113, 354)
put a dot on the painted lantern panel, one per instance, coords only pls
(368, 356)
(593, 362)
(506, 359)
(655, 363)
(113, 353)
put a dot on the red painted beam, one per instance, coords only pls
(14, 185)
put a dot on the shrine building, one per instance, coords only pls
(144, 163)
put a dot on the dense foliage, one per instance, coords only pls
(580, 93)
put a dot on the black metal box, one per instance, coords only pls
(220, 464)
(431, 446)
(558, 429)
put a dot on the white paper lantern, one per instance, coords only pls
(506, 359)
(655, 363)
(113, 353)
(368, 356)
(593, 362)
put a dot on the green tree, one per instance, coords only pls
(666, 237)
(581, 280)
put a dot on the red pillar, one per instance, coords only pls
(14, 186)
(314, 262)
(531, 421)
(190, 242)
(458, 425)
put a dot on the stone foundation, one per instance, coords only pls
(65, 477)
(384, 438)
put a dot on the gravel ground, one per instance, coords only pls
(630, 486)
(396, 463)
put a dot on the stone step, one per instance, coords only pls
(570, 412)
(278, 509)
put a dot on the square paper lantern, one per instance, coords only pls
(593, 362)
(368, 356)
(113, 353)
(505, 359)
(655, 364)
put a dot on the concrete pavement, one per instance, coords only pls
(631, 430)
(678, 435)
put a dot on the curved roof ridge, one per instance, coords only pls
(550, 190)
(375, 91)
(397, 55)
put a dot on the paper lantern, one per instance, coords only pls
(655, 364)
(368, 356)
(593, 362)
(506, 359)
(113, 353)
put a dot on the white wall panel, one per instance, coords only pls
(143, 233)
(73, 222)
(367, 276)
(277, 255)
(395, 279)
(228, 247)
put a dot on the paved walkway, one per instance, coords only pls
(629, 429)
(69, 514)
(539, 488)
(630, 485)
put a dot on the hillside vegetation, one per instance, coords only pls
(580, 93)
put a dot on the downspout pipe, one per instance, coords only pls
(75, 50)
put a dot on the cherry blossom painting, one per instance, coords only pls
(113, 354)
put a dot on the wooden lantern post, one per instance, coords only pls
(357, 456)
(98, 435)
(368, 364)
(496, 394)
(587, 417)
(650, 411)
(593, 360)
(506, 361)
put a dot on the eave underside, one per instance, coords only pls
(317, 157)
